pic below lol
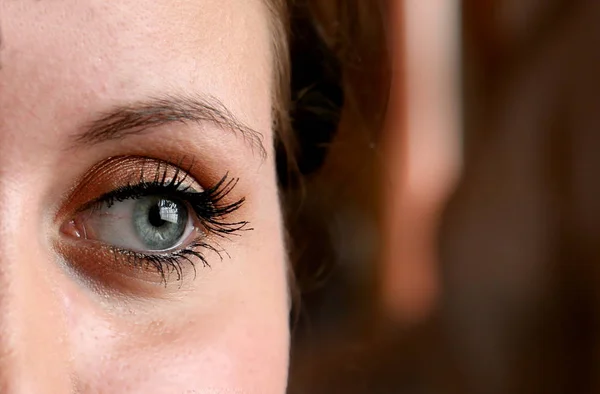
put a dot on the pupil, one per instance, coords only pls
(154, 216)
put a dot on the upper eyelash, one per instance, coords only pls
(207, 205)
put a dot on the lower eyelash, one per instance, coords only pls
(166, 264)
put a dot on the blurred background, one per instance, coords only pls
(445, 235)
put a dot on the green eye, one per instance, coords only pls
(143, 224)
(159, 223)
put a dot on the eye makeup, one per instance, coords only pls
(147, 216)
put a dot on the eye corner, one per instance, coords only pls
(69, 229)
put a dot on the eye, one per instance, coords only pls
(133, 212)
(160, 223)
(147, 223)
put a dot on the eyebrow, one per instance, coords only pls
(136, 118)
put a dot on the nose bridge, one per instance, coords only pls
(33, 342)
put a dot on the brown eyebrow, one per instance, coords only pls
(138, 117)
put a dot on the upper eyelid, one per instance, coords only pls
(127, 170)
(160, 183)
(141, 116)
(155, 189)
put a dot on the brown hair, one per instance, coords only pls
(338, 43)
(332, 80)
(279, 20)
(334, 73)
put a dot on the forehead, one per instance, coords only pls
(67, 56)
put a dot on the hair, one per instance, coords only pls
(281, 91)
(331, 79)
(332, 75)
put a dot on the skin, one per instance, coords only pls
(62, 330)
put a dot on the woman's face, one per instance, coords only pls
(140, 231)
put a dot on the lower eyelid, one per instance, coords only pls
(105, 271)
(107, 265)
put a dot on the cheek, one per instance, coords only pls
(248, 355)
(227, 333)
(235, 341)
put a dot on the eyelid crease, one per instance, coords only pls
(138, 117)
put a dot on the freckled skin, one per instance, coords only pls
(65, 61)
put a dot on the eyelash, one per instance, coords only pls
(208, 207)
